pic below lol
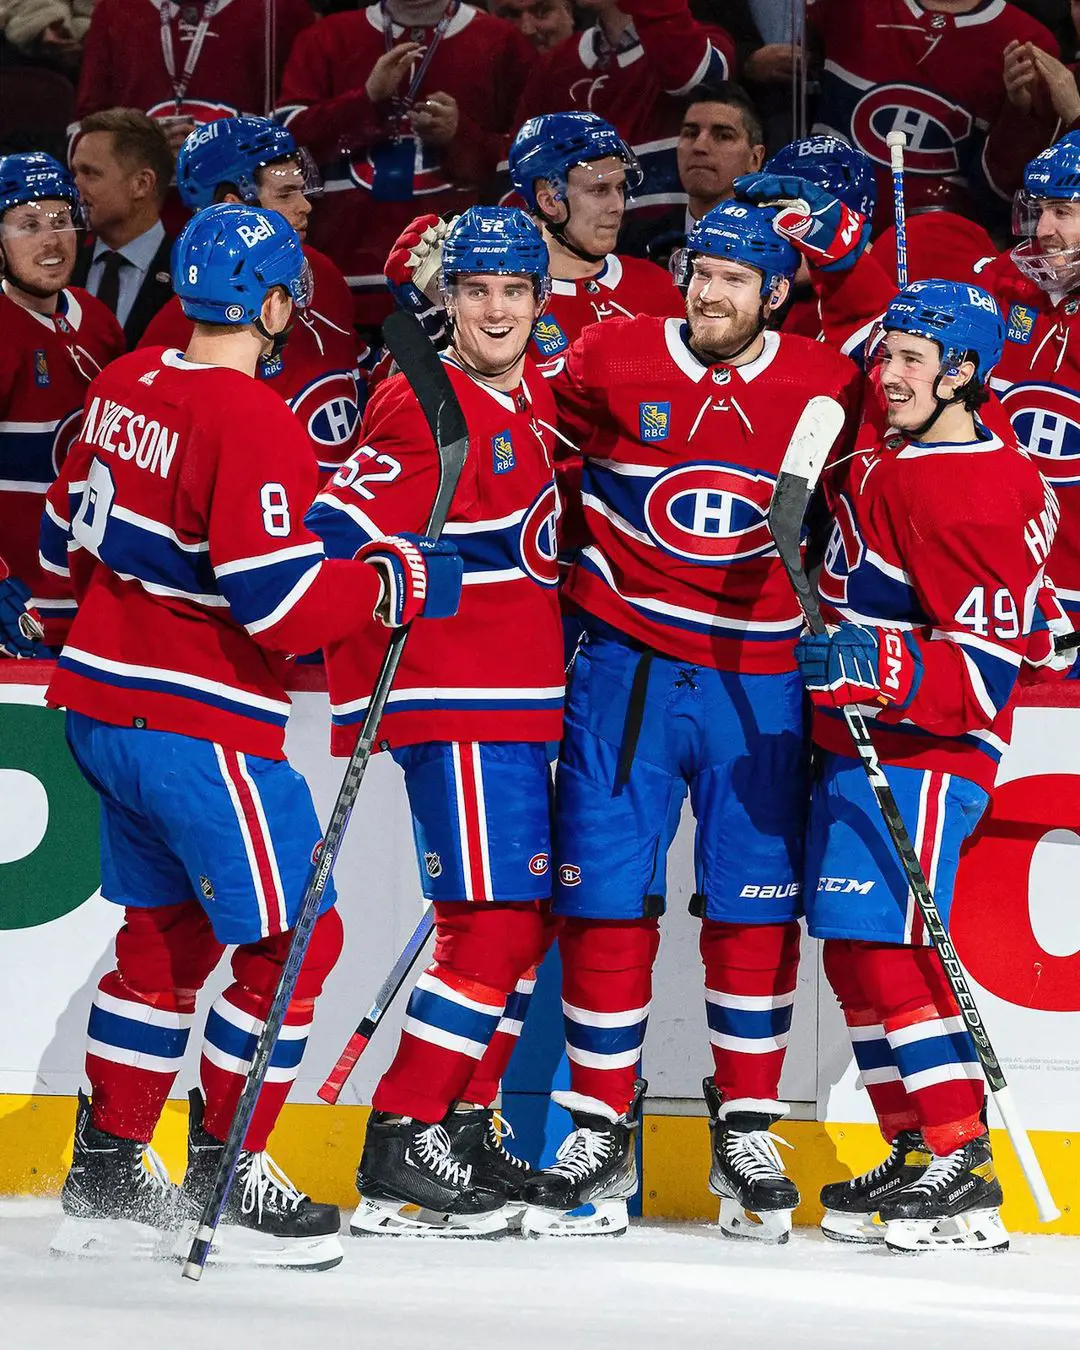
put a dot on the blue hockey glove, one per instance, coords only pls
(829, 234)
(20, 623)
(421, 577)
(856, 664)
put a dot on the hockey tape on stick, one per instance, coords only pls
(426, 374)
(388, 990)
(897, 143)
(1068, 643)
(794, 485)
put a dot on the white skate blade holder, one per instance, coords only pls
(865, 1229)
(98, 1239)
(600, 1218)
(773, 1226)
(979, 1231)
(386, 1218)
(235, 1245)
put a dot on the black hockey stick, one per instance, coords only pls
(421, 366)
(804, 458)
(388, 991)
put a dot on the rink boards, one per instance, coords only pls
(1016, 925)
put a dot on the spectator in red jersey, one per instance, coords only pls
(404, 105)
(720, 138)
(634, 67)
(187, 62)
(544, 23)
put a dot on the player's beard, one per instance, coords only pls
(724, 333)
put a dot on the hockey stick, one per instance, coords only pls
(388, 991)
(430, 383)
(813, 437)
(897, 143)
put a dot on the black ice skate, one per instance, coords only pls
(756, 1199)
(953, 1205)
(476, 1137)
(851, 1206)
(584, 1192)
(117, 1198)
(266, 1220)
(414, 1181)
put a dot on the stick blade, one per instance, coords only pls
(819, 424)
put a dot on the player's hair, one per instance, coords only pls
(735, 96)
(975, 393)
(137, 139)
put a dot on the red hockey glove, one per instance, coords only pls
(857, 664)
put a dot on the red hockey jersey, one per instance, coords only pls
(129, 50)
(914, 548)
(891, 65)
(623, 288)
(46, 365)
(317, 373)
(179, 513)
(493, 672)
(680, 464)
(481, 61)
(639, 87)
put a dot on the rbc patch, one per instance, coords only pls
(549, 337)
(1020, 324)
(502, 452)
(653, 420)
(41, 370)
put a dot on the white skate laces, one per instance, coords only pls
(267, 1186)
(582, 1152)
(754, 1154)
(432, 1147)
(153, 1173)
(941, 1173)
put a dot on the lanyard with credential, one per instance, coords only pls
(180, 86)
(433, 46)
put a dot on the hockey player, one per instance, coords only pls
(686, 679)
(931, 586)
(475, 701)
(55, 340)
(180, 514)
(253, 160)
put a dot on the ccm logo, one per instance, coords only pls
(894, 659)
(538, 864)
(570, 874)
(845, 885)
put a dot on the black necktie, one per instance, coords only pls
(108, 291)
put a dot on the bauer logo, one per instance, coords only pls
(502, 452)
(1020, 324)
(539, 864)
(570, 874)
(654, 420)
(549, 338)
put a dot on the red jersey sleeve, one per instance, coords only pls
(325, 122)
(682, 52)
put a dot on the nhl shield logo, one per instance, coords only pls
(653, 421)
(207, 887)
(432, 864)
(549, 337)
(502, 452)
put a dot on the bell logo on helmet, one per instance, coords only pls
(982, 299)
(255, 234)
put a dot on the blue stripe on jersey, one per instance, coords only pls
(990, 748)
(484, 703)
(342, 536)
(873, 1054)
(934, 1051)
(470, 1023)
(491, 550)
(175, 688)
(747, 1025)
(998, 673)
(517, 1005)
(27, 455)
(133, 550)
(256, 592)
(240, 1045)
(53, 544)
(130, 1034)
(605, 1040)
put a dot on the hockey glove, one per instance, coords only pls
(20, 624)
(829, 234)
(421, 576)
(412, 271)
(1050, 621)
(856, 664)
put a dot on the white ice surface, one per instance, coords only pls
(661, 1287)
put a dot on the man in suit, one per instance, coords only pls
(123, 166)
(720, 138)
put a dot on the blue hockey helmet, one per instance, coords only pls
(35, 177)
(830, 163)
(1052, 176)
(964, 321)
(550, 146)
(743, 233)
(232, 150)
(227, 258)
(499, 240)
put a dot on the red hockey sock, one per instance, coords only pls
(878, 1070)
(141, 1016)
(482, 953)
(750, 976)
(929, 1040)
(607, 990)
(237, 1018)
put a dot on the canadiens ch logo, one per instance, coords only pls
(502, 452)
(538, 540)
(1046, 419)
(843, 555)
(933, 126)
(654, 419)
(538, 864)
(329, 409)
(64, 438)
(549, 337)
(1020, 324)
(570, 874)
(711, 513)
